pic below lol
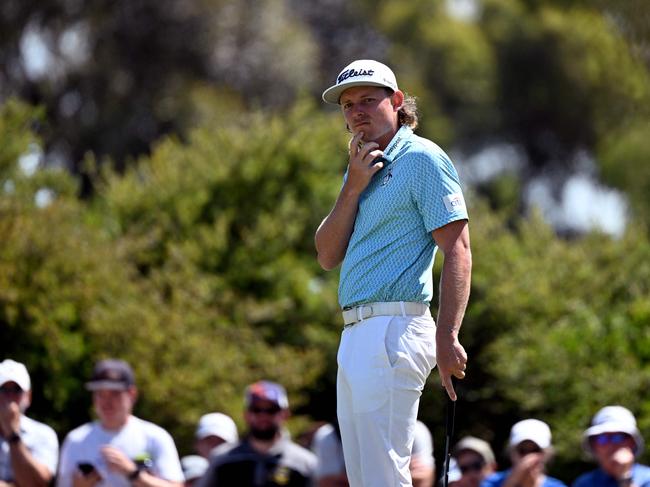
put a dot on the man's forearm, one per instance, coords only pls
(145, 479)
(28, 472)
(455, 283)
(333, 234)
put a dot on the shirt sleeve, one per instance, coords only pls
(165, 457)
(436, 189)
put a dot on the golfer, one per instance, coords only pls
(400, 201)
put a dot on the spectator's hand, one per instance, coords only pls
(421, 471)
(117, 461)
(9, 418)
(622, 462)
(89, 480)
(528, 469)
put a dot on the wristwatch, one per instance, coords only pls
(136, 473)
(14, 437)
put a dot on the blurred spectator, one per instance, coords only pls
(29, 449)
(194, 466)
(118, 450)
(329, 451)
(475, 461)
(331, 466)
(213, 430)
(422, 466)
(530, 449)
(615, 442)
(454, 475)
(266, 456)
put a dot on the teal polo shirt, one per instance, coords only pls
(391, 251)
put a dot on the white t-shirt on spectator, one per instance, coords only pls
(137, 439)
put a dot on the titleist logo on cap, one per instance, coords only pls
(351, 73)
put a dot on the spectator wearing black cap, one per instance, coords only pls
(29, 449)
(119, 449)
(266, 456)
(475, 461)
(615, 442)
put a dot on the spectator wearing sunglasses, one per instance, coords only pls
(530, 449)
(266, 456)
(29, 449)
(474, 460)
(614, 441)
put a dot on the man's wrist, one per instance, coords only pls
(13, 438)
(135, 474)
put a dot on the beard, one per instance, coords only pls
(264, 434)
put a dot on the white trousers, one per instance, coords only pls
(383, 364)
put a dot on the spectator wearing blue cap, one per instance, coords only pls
(266, 456)
(615, 442)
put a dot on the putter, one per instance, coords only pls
(449, 433)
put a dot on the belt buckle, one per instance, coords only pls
(361, 312)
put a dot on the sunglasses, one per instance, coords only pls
(471, 467)
(259, 410)
(613, 438)
(11, 390)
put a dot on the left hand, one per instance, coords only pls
(451, 359)
(117, 461)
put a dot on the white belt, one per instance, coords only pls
(368, 310)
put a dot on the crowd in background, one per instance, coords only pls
(120, 449)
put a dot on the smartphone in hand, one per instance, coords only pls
(85, 467)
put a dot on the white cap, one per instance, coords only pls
(613, 419)
(12, 371)
(194, 467)
(363, 72)
(530, 429)
(217, 424)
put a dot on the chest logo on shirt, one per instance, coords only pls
(281, 475)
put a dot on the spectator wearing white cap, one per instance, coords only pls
(530, 449)
(213, 430)
(29, 449)
(475, 461)
(615, 442)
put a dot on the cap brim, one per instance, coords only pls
(106, 385)
(333, 94)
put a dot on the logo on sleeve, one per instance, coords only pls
(454, 202)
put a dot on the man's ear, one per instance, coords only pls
(397, 99)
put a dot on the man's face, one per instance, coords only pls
(473, 468)
(613, 450)
(372, 110)
(264, 419)
(11, 392)
(114, 407)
